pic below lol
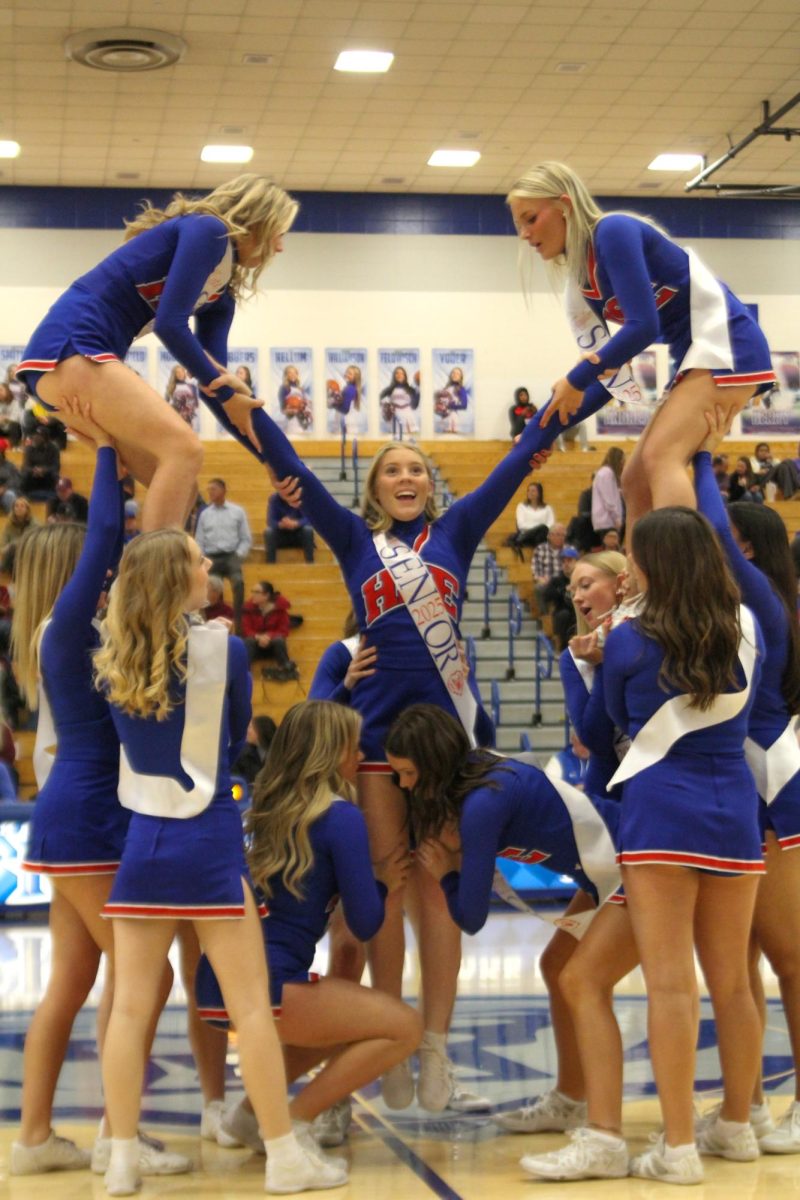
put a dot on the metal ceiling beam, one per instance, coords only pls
(767, 126)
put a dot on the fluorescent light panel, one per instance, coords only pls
(226, 154)
(9, 149)
(454, 158)
(366, 62)
(676, 162)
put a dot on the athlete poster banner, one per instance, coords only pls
(291, 388)
(178, 388)
(9, 357)
(454, 392)
(346, 390)
(138, 359)
(779, 410)
(398, 392)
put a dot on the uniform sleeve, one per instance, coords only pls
(586, 707)
(328, 681)
(362, 895)
(240, 689)
(619, 247)
(613, 675)
(212, 326)
(468, 891)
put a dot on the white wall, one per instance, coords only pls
(425, 291)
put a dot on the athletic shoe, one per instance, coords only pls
(589, 1155)
(551, 1113)
(304, 1173)
(54, 1154)
(239, 1127)
(435, 1082)
(330, 1128)
(462, 1100)
(152, 1160)
(397, 1086)
(720, 1140)
(654, 1164)
(210, 1120)
(305, 1139)
(122, 1179)
(760, 1119)
(785, 1138)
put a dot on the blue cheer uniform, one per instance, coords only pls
(591, 722)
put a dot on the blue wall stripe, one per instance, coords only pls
(367, 212)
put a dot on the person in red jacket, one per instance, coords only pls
(265, 628)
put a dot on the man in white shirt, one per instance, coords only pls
(223, 535)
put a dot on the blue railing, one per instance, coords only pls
(472, 655)
(525, 743)
(543, 660)
(356, 488)
(490, 578)
(494, 703)
(343, 451)
(514, 630)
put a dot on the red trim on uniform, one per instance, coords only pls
(421, 539)
(263, 910)
(106, 356)
(790, 843)
(617, 898)
(374, 768)
(181, 911)
(38, 364)
(221, 1014)
(684, 858)
(744, 377)
(593, 291)
(104, 868)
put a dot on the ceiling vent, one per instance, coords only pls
(125, 49)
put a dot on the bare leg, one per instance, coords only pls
(556, 955)
(777, 927)
(348, 955)
(209, 1045)
(385, 814)
(759, 996)
(439, 948)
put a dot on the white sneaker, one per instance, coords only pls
(54, 1154)
(122, 1179)
(551, 1113)
(304, 1174)
(210, 1119)
(589, 1155)
(653, 1164)
(739, 1143)
(760, 1119)
(239, 1127)
(435, 1082)
(785, 1139)
(462, 1100)
(397, 1086)
(153, 1158)
(330, 1128)
(307, 1141)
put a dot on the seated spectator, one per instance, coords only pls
(762, 462)
(557, 599)
(534, 520)
(260, 733)
(131, 526)
(41, 465)
(287, 526)
(719, 465)
(216, 606)
(611, 540)
(265, 628)
(10, 481)
(521, 411)
(547, 563)
(743, 484)
(787, 475)
(10, 415)
(580, 532)
(68, 504)
(607, 508)
(20, 520)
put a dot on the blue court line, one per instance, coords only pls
(372, 1121)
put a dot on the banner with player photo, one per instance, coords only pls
(628, 420)
(12, 419)
(346, 390)
(398, 392)
(138, 359)
(291, 389)
(453, 392)
(178, 388)
(779, 410)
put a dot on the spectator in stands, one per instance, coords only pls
(787, 475)
(719, 465)
(20, 520)
(10, 415)
(10, 481)
(287, 526)
(68, 504)
(547, 563)
(265, 628)
(41, 465)
(521, 411)
(260, 733)
(216, 606)
(223, 535)
(534, 520)
(131, 527)
(762, 462)
(743, 484)
(607, 508)
(558, 601)
(611, 540)
(580, 532)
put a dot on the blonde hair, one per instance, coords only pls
(377, 519)
(45, 561)
(248, 204)
(145, 630)
(611, 563)
(298, 783)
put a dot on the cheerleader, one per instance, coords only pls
(181, 394)
(450, 400)
(622, 268)
(398, 402)
(307, 849)
(180, 696)
(194, 258)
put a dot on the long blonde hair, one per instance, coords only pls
(247, 204)
(145, 630)
(611, 563)
(297, 784)
(377, 519)
(45, 561)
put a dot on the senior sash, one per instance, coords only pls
(207, 672)
(674, 719)
(592, 335)
(433, 623)
(774, 767)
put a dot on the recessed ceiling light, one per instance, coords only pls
(676, 162)
(256, 60)
(571, 68)
(367, 62)
(393, 179)
(226, 154)
(454, 158)
(128, 175)
(9, 149)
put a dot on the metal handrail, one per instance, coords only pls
(514, 629)
(525, 743)
(343, 451)
(541, 670)
(471, 655)
(356, 489)
(490, 578)
(494, 702)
